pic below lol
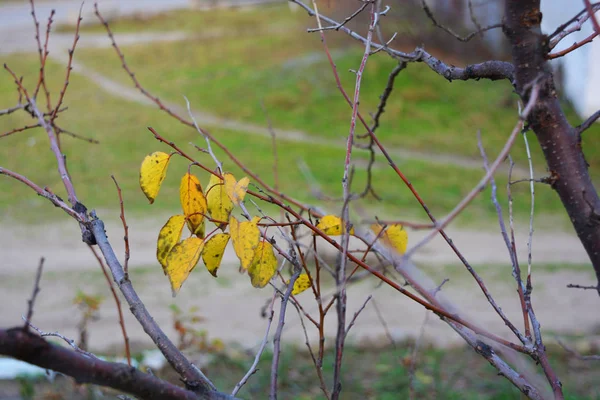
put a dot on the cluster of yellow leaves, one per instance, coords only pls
(179, 257)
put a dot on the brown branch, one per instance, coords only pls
(574, 46)
(19, 130)
(36, 290)
(584, 287)
(117, 303)
(557, 138)
(493, 70)
(12, 109)
(450, 31)
(26, 346)
(75, 135)
(587, 123)
(125, 227)
(60, 159)
(278, 332)
(576, 354)
(63, 91)
(591, 12)
(54, 199)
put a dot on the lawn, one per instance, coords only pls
(235, 60)
(120, 126)
(230, 75)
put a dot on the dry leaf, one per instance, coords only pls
(214, 248)
(182, 260)
(219, 204)
(153, 172)
(394, 236)
(332, 225)
(168, 237)
(263, 266)
(193, 203)
(245, 237)
(236, 190)
(302, 283)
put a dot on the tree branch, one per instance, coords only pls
(26, 346)
(557, 138)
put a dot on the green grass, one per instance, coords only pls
(120, 126)
(231, 75)
(382, 372)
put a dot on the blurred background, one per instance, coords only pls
(245, 65)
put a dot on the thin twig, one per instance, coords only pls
(75, 135)
(356, 314)
(12, 109)
(19, 130)
(117, 303)
(384, 324)
(70, 342)
(592, 13)
(512, 253)
(485, 180)
(63, 91)
(450, 31)
(278, 332)
(413, 358)
(584, 287)
(587, 123)
(263, 344)
(576, 354)
(125, 227)
(532, 190)
(36, 290)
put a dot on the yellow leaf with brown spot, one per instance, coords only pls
(214, 248)
(245, 237)
(219, 203)
(332, 225)
(168, 237)
(182, 260)
(263, 266)
(302, 283)
(193, 203)
(236, 190)
(394, 236)
(153, 172)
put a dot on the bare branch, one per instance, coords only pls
(278, 332)
(117, 303)
(576, 354)
(587, 123)
(125, 227)
(263, 344)
(450, 31)
(493, 70)
(26, 346)
(36, 290)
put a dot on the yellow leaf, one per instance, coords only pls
(394, 236)
(153, 172)
(332, 225)
(193, 203)
(245, 237)
(213, 251)
(219, 204)
(168, 237)
(236, 190)
(182, 260)
(263, 266)
(301, 284)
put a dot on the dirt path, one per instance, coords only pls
(232, 307)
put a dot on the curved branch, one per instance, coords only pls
(26, 346)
